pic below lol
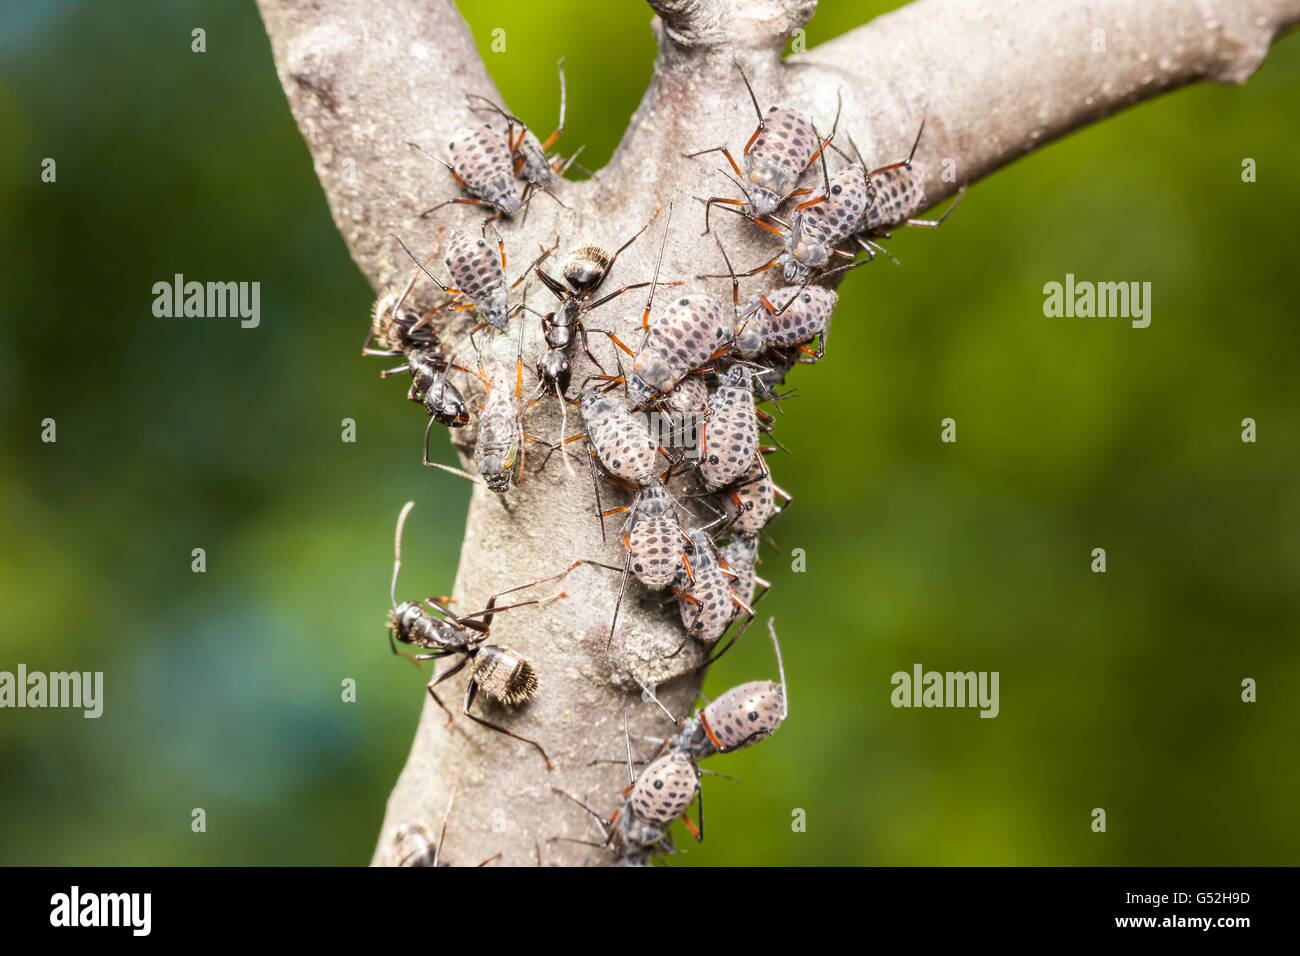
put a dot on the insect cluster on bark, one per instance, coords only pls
(673, 426)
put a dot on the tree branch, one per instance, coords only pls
(994, 78)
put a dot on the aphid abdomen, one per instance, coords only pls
(689, 396)
(746, 714)
(621, 442)
(691, 330)
(654, 538)
(803, 321)
(779, 156)
(503, 675)
(730, 436)
(709, 609)
(837, 218)
(496, 449)
(475, 267)
(481, 158)
(663, 792)
(900, 194)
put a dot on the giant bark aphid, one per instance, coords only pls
(783, 146)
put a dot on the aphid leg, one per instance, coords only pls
(935, 223)
(622, 588)
(699, 795)
(826, 188)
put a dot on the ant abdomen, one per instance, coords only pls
(504, 675)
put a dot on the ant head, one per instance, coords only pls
(403, 617)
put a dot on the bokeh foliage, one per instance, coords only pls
(222, 690)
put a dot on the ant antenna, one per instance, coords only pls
(397, 550)
(442, 834)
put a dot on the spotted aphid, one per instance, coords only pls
(478, 272)
(750, 501)
(739, 718)
(730, 432)
(653, 536)
(527, 152)
(689, 396)
(781, 149)
(899, 194)
(703, 591)
(480, 161)
(820, 224)
(498, 450)
(619, 440)
(652, 539)
(662, 794)
(693, 329)
(790, 317)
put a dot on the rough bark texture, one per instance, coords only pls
(994, 79)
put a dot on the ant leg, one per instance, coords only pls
(448, 468)
(454, 669)
(470, 693)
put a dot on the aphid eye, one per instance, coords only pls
(658, 784)
(837, 189)
(807, 297)
(753, 715)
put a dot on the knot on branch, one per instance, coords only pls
(703, 24)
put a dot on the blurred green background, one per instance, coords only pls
(1119, 691)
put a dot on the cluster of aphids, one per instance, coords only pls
(680, 428)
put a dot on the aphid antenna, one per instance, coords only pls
(436, 280)
(654, 281)
(780, 668)
(432, 156)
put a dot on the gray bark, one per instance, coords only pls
(995, 79)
